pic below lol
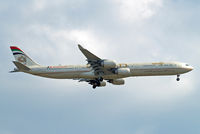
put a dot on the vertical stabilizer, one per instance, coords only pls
(21, 57)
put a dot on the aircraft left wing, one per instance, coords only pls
(90, 56)
(95, 62)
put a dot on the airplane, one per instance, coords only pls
(97, 71)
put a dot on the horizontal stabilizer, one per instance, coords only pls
(14, 71)
(20, 66)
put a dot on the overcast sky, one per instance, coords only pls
(123, 30)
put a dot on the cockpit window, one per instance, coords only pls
(187, 64)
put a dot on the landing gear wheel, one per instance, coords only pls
(178, 79)
(94, 86)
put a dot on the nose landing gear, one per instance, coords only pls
(178, 77)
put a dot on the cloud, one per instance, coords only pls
(135, 10)
(61, 40)
(42, 5)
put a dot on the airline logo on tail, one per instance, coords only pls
(19, 54)
(21, 57)
(16, 50)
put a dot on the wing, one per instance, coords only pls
(90, 56)
(95, 62)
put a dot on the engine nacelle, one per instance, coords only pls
(108, 64)
(102, 84)
(117, 82)
(123, 71)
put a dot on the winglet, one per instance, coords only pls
(88, 54)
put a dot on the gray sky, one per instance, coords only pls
(126, 31)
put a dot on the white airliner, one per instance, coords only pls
(98, 70)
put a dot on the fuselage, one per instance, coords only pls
(136, 69)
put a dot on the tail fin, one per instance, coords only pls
(21, 57)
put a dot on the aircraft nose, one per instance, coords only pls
(190, 68)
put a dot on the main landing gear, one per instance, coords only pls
(94, 86)
(96, 83)
(178, 77)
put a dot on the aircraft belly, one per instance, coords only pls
(63, 75)
(156, 71)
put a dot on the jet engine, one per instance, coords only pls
(122, 71)
(97, 83)
(102, 84)
(117, 81)
(108, 64)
